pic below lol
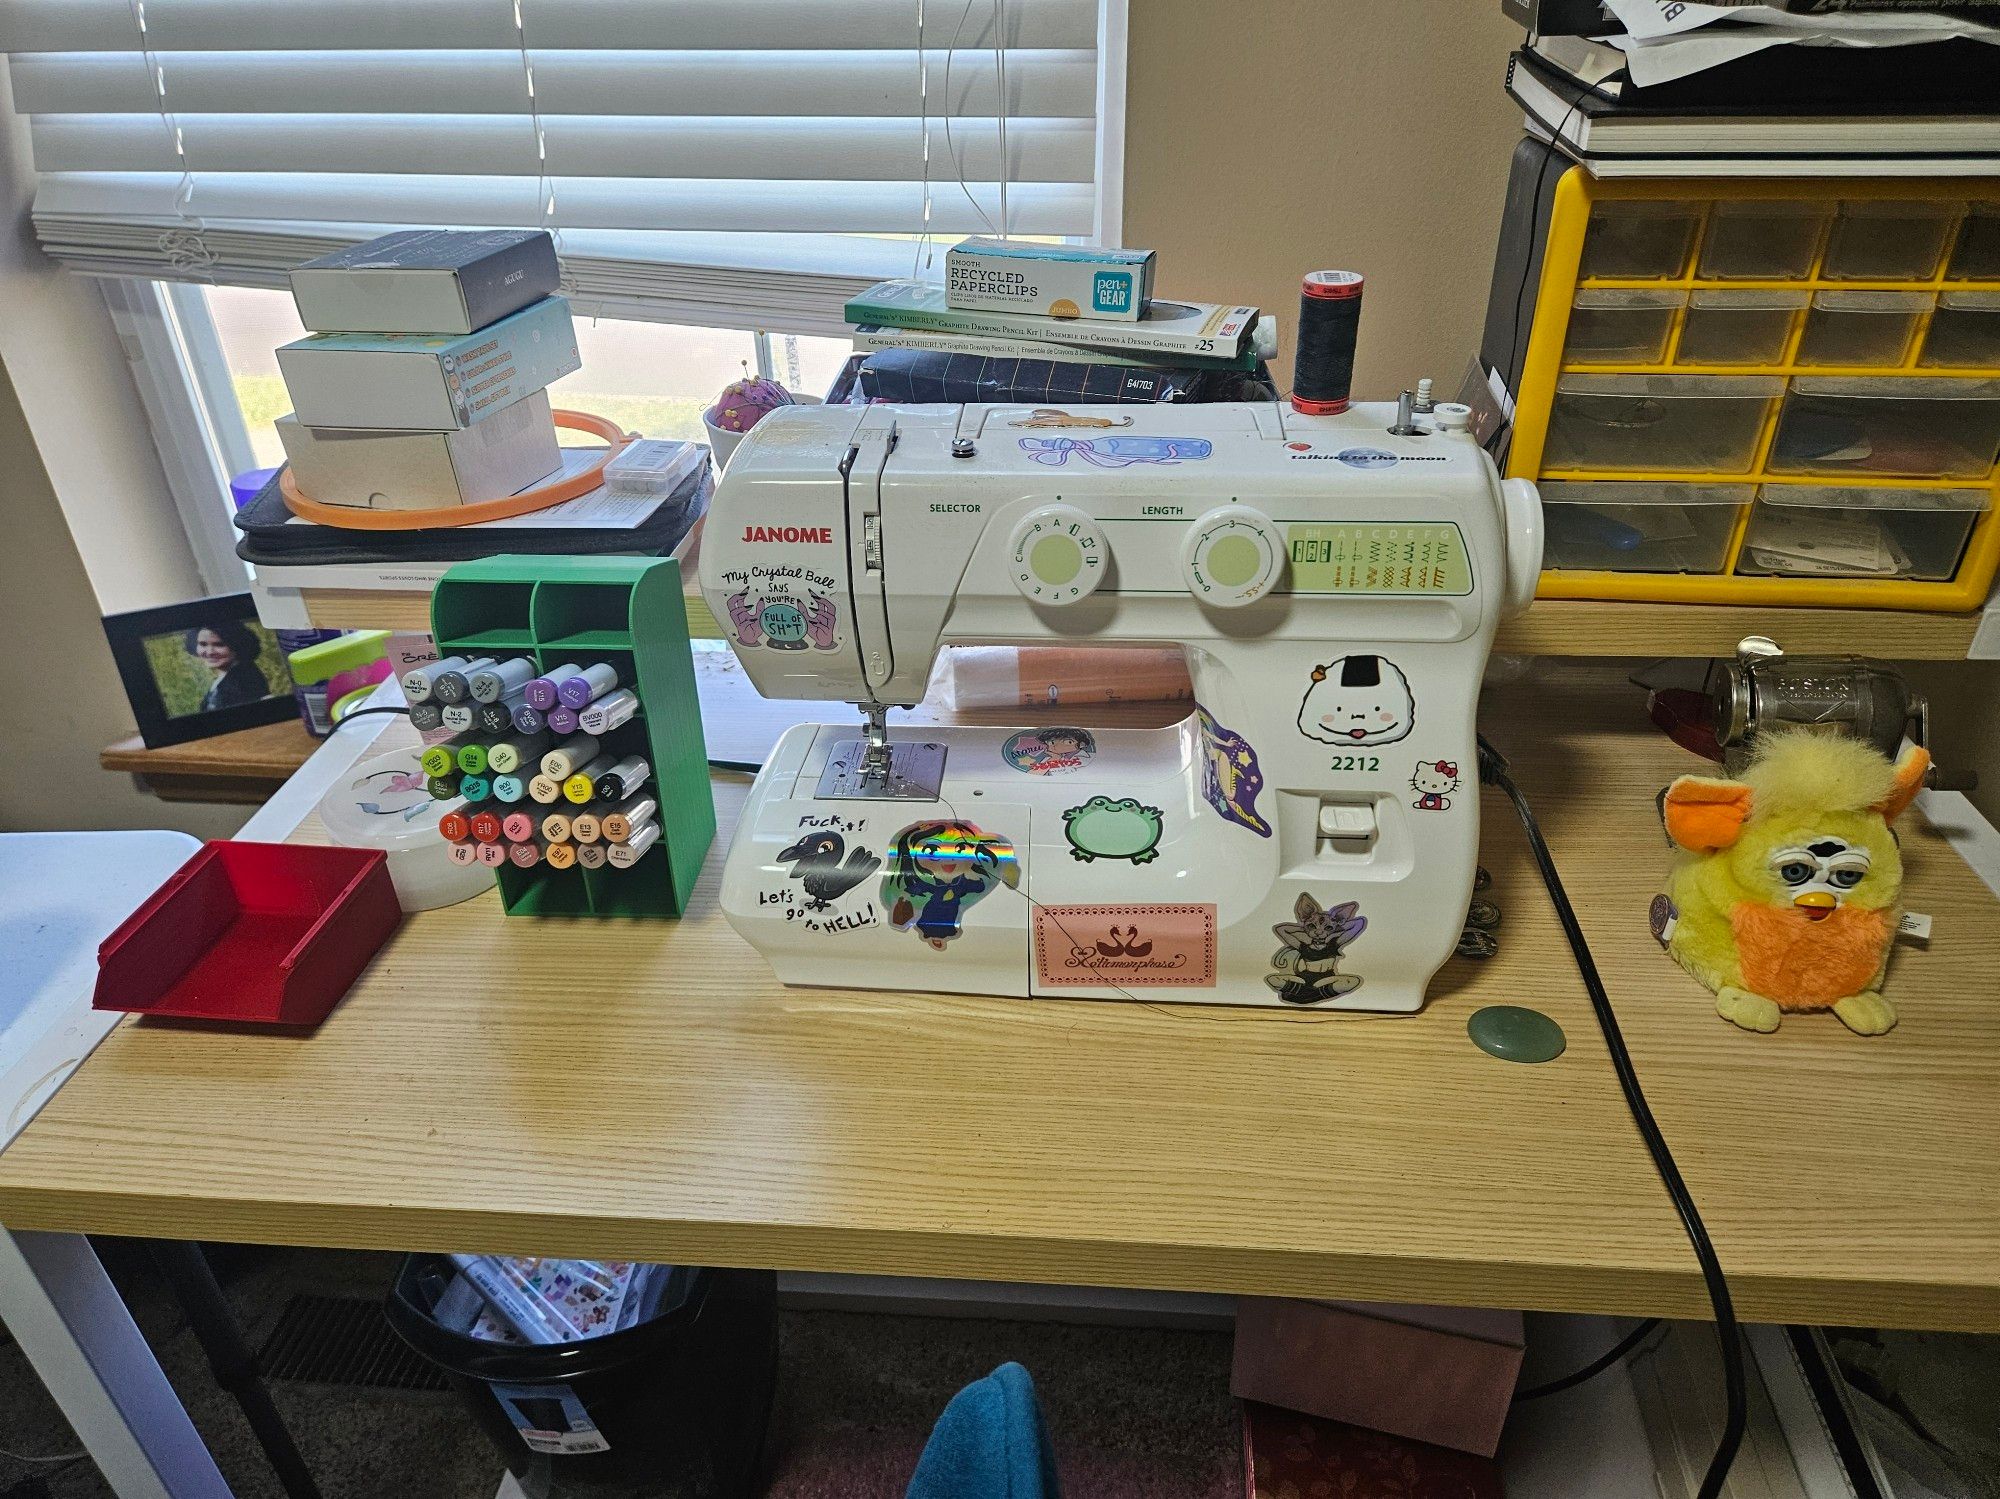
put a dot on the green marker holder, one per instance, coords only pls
(627, 611)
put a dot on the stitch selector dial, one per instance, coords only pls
(1232, 556)
(1057, 554)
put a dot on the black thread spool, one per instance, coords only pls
(1329, 315)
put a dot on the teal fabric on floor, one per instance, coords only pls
(990, 1443)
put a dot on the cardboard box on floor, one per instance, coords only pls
(1433, 1374)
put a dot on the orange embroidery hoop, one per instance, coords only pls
(354, 518)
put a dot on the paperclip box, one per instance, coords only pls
(1064, 281)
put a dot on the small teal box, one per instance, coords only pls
(1045, 280)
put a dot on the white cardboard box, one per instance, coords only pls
(502, 455)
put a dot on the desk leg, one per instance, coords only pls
(67, 1316)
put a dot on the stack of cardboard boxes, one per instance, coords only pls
(425, 380)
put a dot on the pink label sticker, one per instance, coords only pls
(1154, 947)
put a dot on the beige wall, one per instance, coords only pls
(60, 698)
(1265, 140)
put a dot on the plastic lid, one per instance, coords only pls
(1748, 301)
(1773, 208)
(1871, 497)
(1629, 301)
(1902, 208)
(316, 663)
(1909, 302)
(385, 803)
(1264, 338)
(1710, 387)
(1970, 301)
(1917, 388)
(1638, 492)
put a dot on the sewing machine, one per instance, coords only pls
(1307, 836)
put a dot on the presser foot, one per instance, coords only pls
(915, 772)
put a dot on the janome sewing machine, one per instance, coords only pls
(1306, 836)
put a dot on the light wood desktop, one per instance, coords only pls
(648, 1090)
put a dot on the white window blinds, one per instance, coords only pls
(722, 161)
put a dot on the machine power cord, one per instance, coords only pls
(1493, 771)
(1595, 1367)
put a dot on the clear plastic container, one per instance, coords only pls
(1738, 327)
(1620, 527)
(1964, 331)
(1862, 327)
(1621, 327)
(1670, 423)
(1762, 239)
(1639, 239)
(1813, 531)
(1934, 427)
(1890, 240)
(1977, 254)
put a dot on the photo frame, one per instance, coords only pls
(198, 669)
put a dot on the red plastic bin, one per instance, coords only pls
(268, 933)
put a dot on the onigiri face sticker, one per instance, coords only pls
(1358, 700)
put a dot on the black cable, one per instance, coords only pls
(1595, 1367)
(744, 767)
(1493, 770)
(353, 713)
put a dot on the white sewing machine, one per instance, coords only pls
(1307, 836)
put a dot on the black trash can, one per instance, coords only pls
(675, 1408)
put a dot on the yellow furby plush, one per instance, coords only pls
(1785, 897)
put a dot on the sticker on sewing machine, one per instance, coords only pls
(1117, 452)
(1306, 969)
(1049, 752)
(1153, 947)
(1050, 416)
(827, 873)
(1230, 775)
(1434, 781)
(937, 870)
(1365, 458)
(1102, 828)
(1358, 700)
(783, 620)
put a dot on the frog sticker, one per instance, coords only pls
(1102, 828)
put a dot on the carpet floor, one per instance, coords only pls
(1135, 1413)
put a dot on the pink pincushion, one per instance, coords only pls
(744, 403)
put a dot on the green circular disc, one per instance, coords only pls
(1234, 561)
(1055, 559)
(1515, 1034)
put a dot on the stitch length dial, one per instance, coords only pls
(1057, 554)
(1232, 556)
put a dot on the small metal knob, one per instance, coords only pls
(963, 447)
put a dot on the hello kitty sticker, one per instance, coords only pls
(1358, 700)
(1434, 781)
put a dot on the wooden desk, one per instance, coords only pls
(647, 1090)
(1554, 627)
(243, 767)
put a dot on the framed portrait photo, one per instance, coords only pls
(202, 668)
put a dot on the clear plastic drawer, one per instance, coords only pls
(1621, 327)
(1762, 239)
(1666, 423)
(1964, 331)
(1890, 240)
(1814, 531)
(1738, 327)
(1630, 527)
(1977, 255)
(1639, 239)
(1862, 327)
(1921, 427)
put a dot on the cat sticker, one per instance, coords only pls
(1434, 781)
(1306, 968)
(1358, 700)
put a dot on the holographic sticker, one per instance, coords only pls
(1307, 966)
(1047, 752)
(1117, 452)
(1230, 776)
(937, 870)
(1050, 416)
(783, 621)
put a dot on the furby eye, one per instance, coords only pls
(1795, 871)
(1847, 879)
